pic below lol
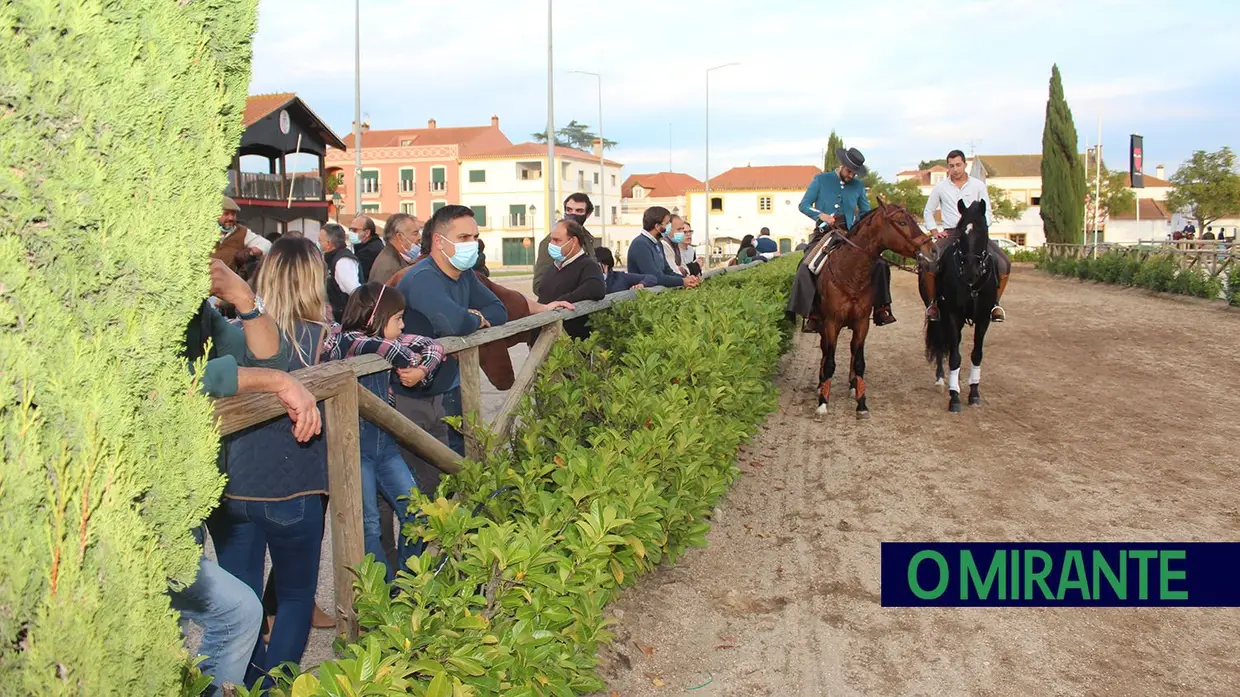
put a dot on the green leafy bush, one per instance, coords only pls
(119, 120)
(625, 449)
(1233, 285)
(1036, 256)
(1158, 272)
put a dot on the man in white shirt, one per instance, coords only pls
(343, 272)
(672, 246)
(945, 198)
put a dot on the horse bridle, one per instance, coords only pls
(835, 232)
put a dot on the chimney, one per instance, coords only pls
(494, 121)
(1160, 172)
(598, 147)
(430, 123)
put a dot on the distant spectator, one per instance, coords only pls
(1209, 235)
(765, 245)
(573, 276)
(238, 246)
(617, 281)
(481, 267)
(688, 253)
(368, 244)
(747, 253)
(578, 207)
(401, 233)
(671, 240)
(646, 254)
(343, 270)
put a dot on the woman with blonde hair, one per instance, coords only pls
(273, 500)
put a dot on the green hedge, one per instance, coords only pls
(626, 449)
(1158, 272)
(119, 121)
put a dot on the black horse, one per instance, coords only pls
(967, 286)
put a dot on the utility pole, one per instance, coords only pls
(708, 72)
(357, 107)
(550, 174)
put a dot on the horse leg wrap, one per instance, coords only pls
(953, 381)
(860, 388)
(824, 390)
(975, 374)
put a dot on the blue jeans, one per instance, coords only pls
(292, 531)
(230, 617)
(452, 407)
(385, 473)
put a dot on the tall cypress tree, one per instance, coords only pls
(1063, 173)
(834, 142)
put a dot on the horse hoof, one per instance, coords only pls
(863, 415)
(975, 401)
(820, 412)
(940, 383)
(953, 405)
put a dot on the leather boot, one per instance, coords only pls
(883, 316)
(811, 326)
(932, 312)
(997, 314)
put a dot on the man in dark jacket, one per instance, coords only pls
(577, 207)
(368, 245)
(342, 268)
(646, 254)
(402, 233)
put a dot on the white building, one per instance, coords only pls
(642, 191)
(743, 200)
(508, 194)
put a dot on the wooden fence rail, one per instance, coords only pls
(1208, 256)
(345, 401)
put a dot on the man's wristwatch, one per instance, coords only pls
(256, 312)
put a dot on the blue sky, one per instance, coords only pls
(901, 80)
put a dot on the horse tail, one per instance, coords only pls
(938, 338)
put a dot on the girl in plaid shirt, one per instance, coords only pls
(372, 323)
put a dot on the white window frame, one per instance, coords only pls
(378, 181)
(413, 181)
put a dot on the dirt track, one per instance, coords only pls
(1110, 415)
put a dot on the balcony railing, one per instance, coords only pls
(439, 187)
(275, 187)
(530, 175)
(516, 220)
(408, 186)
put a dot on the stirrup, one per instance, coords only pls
(1002, 314)
(932, 316)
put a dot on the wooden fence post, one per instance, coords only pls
(471, 399)
(344, 484)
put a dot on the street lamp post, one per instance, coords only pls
(602, 171)
(357, 107)
(708, 72)
(550, 127)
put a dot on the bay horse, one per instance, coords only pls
(967, 286)
(845, 295)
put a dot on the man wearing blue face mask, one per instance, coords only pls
(443, 297)
(672, 251)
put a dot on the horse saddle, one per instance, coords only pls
(821, 248)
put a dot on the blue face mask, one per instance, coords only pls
(678, 237)
(465, 256)
(354, 239)
(556, 252)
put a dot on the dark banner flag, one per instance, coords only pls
(1060, 574)
(1134, 161)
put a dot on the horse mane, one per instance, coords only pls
(864, 216)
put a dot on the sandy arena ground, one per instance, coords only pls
(1110, 415)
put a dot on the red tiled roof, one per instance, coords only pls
(1150, 210)
(532, 149)
(259, 105)
(1148, 180)
(660, 184)
(487, 137)
(782, 177)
